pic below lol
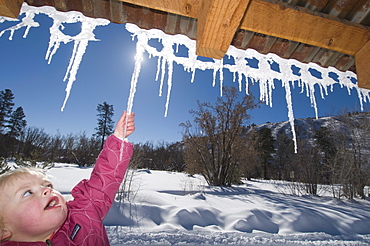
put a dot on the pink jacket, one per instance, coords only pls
(92, 200)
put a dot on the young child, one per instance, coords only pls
(33, 213)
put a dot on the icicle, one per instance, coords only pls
(139, 56)
(163, 72)
(57, 37)
(73, 68)
(158, 68)
(218, 68)
(3, 19)
(81, 41)
(135, 75)
(363, 96)
(288, 97)
(263, 74)
(313, 100)
(169, 86)
(27, 22)
(192, 75)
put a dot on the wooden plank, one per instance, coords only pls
(296, 25)
(218, 21)
(281, 21)
(10, 8)
(189, 8)
(362, 59)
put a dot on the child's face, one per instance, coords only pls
(32, 209)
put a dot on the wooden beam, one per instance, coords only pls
(281, 21)
(10, 8)
(218, 21)
(189, 8)
(362, 59)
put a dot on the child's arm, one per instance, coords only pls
(109, 169)
(94, 197)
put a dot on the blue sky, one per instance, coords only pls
(105, 75)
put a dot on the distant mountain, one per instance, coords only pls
(306, 128)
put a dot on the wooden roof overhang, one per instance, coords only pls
(327, 32)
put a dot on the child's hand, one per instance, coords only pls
(119, 131)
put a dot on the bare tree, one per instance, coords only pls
(85, 149)
(55, 147)
(348, 161)
(357, 156)
(34, 139)
(131, 183)
(214, 143)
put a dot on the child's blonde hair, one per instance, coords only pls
(9, 177)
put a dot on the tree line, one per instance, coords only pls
(220, 143)
(222, 146)
(33, 146)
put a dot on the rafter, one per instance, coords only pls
(279, 20)
(217, 25)
(362, 59)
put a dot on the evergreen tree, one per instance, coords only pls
(284, 165)
(16, 123)
(326, 142)
(265, 148)
(105, 122)
(6, 106)
(327, 151)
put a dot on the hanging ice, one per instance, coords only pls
(242, 70)
(57, 37)
(263, 74)
(2, 19)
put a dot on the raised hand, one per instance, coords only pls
(123, 124)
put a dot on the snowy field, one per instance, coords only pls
(168, 208)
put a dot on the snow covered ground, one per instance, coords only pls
(168, 208)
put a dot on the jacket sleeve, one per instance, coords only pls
(106, 176)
